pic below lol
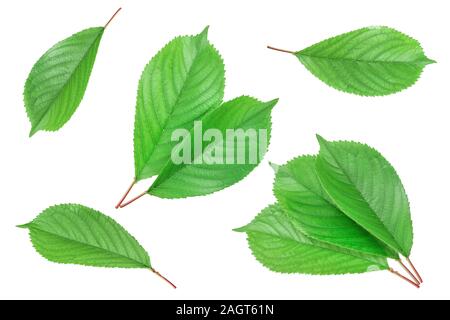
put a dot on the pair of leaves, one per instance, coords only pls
(187, 180)
(182, 84)
(57, 82)
(75, 234)
(374, 61)
(348, 199)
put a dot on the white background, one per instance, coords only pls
(90, 161)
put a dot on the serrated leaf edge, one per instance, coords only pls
(428, 61)
(205, 34)
(30, 227)
(35, 129)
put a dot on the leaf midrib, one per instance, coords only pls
(415, 63)
(88, 245)
(51, 104)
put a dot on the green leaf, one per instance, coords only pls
(182, 83)
(364, 185)
(74, 234)
(195, 179)
(373, 61)
(57, 82)
(299, 192)
(278, 243)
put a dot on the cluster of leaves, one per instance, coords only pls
(342, 211)
(182, 84)
(374, 61)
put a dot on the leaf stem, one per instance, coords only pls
(133, 200)
(126, 194)
(112, 18)
(409, 271)
(398, 274)
(280, 50)
(415, 270)
(162, 277)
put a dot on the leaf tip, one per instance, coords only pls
(241, 229)
(24, 226)
(202, 38)
(274, 166)
(33, 131)
(273, 102)
(320, 139)
(430, 61)
(270, 104)
(204, 33)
